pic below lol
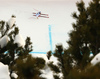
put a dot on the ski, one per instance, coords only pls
(42, 16)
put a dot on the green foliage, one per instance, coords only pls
(86, 31)
(92, 72)
(18, 58)
(27, 48)
(84, 38)
(49, 54)
(29, 67)
(56, 77)
(58, 51)
(60, 67)
(9, 56)
(53, 67)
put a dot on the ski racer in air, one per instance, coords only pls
(38, 14)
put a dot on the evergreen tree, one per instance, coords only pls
(64, 64)
(94, 21)
(17, 56)
(29, 67)
(7, 54)
(85, 37)
(79, 37)
(49, 54)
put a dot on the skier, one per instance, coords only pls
(38, 14)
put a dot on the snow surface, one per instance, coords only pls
(19, 40)
(11, 22)
(96, 59)
(3, 41)
(91, 54)
(14, 75)
(4, 72)
(47, 73)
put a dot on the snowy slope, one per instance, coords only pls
(3, 41)
(96, 59)
(60, 18)
(4, 72)
(47, 73)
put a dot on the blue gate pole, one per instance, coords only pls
(50, 37)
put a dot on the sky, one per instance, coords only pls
(60, 20)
